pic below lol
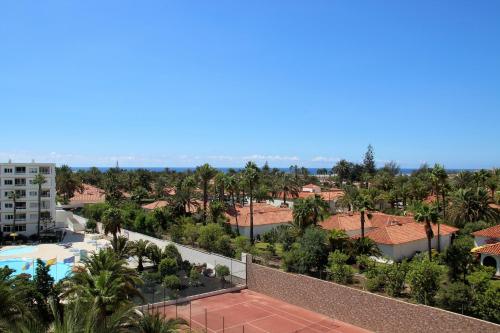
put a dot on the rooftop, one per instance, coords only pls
(405, 233)
(351, 221)
(489, 249)
(263, 214)
(89, 194)
(492, 232)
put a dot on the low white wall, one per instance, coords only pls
(257, 229)
(237, 268)
(407, 250)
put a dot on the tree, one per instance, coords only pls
(310, 254)
(205, 173)
(168, 266)
(308, 211)
(459, 259)
(122, 247)
(427, 214)
(156, 323)
(112, 220)
(456, 297)
(173, 283)
(363, 204)
(424, 278)
(251, 179)
(140, 249)
(468, 205)
(67, 183)
(343, 170)
(439, 182)
(39, 180)
(288, 187)
(232, 184)
(369, 161)
(13, 196)
(339, 270)
(221, 271)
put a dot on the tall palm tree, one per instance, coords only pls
(251, 177)
(233, 188)
(155, 323)
(112, 220)
(155, 254)
(140, 250)
(363, 204)
(13, 310)
(289, 187)
(205, 173)
(122, 247)
(39, 180)
(439, 181)
(13, 196)
(427, 214)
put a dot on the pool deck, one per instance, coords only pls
(49, 251)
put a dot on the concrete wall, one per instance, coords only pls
(237, 268)
(408, 250)
(363, 309)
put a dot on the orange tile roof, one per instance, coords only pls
(312, 186)
(90, 194)
(493, 232)
(263, 214)
(405, 233)
(327, 195)
(495, 206)
(351, 221)
(489, 249)
(156, 204)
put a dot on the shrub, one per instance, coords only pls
(170, 251)
(458, 258)
(168, 266)
(194, 276)
(339, 271)
(456, 297)
(396, 277)
(223, 246)
(176, 233)
(424, 277)
(172, 282)
(91, 225)
(190, 233)
(221, 271)
(209, 234)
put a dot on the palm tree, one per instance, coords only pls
(112, 220)
(13, 310)
(251, 178)
(155, 323)
(363, 205)
(154, 254)
(13, 196)
(308, 211)
(288, 187)
(205, 173)
(121, 246)
(140, 250)
(232, 184)
(439, 181)
(39, 180)
(468, 205)
(427, 214)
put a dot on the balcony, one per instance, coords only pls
(20, 170)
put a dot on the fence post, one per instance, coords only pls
(231, 275)
(222, 324)
(206, 326)
(189, 316)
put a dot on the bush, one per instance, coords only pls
(458, 258)
(339, 271)
(456, 297)
(194, 277)
(91, 225)
(209, 235)
(223, 246)
(168, 266)
(176, 233)
(424, 277)
(170, 251)
(395, 278)
(221, 271)
(172, 282)
(309, 254)
(190, 233)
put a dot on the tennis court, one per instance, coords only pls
(251, 312)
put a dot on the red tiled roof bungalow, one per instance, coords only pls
(398, 241)
(311, 188)
(163, 203)
(88, 195)
(265, 218)
(350, 222)
(487, 236)
(490, 256)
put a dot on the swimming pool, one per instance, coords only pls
(18, 250)
(58, 271)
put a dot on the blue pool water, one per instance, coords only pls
(18, 250)
(57, 271)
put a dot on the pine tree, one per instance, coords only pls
(369, 161)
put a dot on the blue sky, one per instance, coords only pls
(178, 83)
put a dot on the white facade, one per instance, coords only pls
(491, 258)
(408, 250)
(257, 229)
(18, 178)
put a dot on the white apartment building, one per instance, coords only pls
(18, 177)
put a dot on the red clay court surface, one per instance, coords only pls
(251, 312)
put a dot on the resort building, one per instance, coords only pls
(89, 194)
(487, 243)
(399, 241)
(19, 196)
(265, 218)
(330, 196)
(350, 222)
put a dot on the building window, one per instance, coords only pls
(45, 194)
(33, 204)
(33, 170)
(21, 193)
(8, 205)
(20, 205)
(20, 169)
(9, 216)
(45, 204)
(45, 170)
(45, 215)
(21, 217)
(6, 228)
(20, 182)
(7, 170)
(33, 193)
(8, 182)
